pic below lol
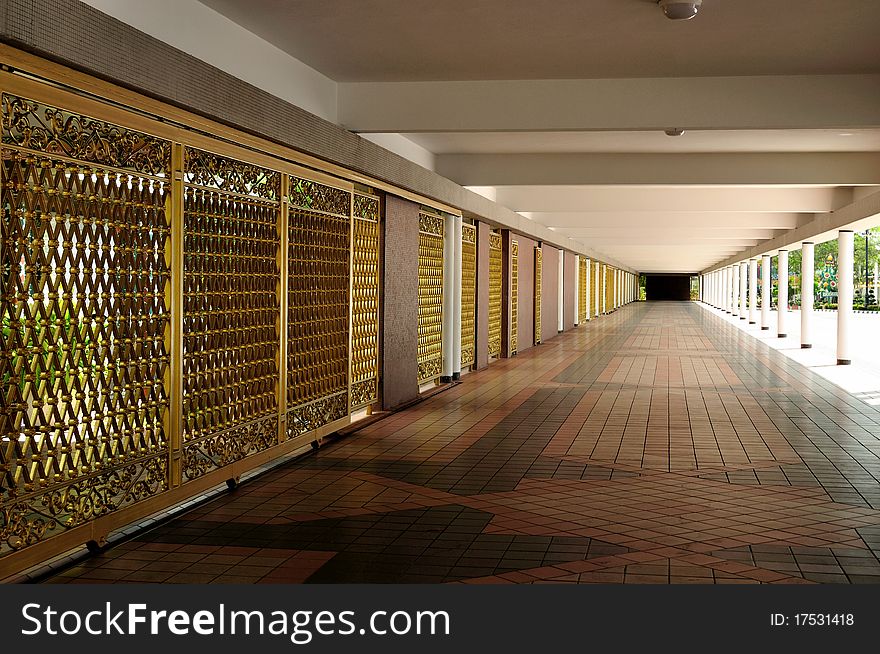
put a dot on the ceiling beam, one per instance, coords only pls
(858, 215)
(831, 168)
(747, 102)
(691, 220)
(672, 198)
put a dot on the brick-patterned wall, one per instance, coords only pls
(526, 307)
(549, 291)
(569, 305)
(482, 331)
(400, 341)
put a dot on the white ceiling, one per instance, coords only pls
(770, 140)
(783, 119)
(397, 40)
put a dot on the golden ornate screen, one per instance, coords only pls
(231, 307)
(85, 318)
(468, 292)
(583, 294)
(514, 293)
(430, 296)
(318, 259)
(539, 269)
(495, 285)
(365, 302)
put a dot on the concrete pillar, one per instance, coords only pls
(765, 292)
(456, 318)
(782, 295)
(728, 289)
(734, 306)
(560, 293)
(844, 294)
(743, 279)
(723, 306)
(604, 278)
(448, 328)
(807, 272)
(753, 290)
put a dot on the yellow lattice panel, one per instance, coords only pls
(514, 293)
(430, 297)
(609, 288)
(318, 260)
(595, 289)
(468, 292)
(231, 310)
(85, 317)
(583, 299)
(539, 271)
(495, 274)
(365, 301)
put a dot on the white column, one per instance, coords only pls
(743, 279)
(577, 290)
(560, 293)
(734, 307)
(753, 290)
(448, 329)
(807, 272)
(456, 318)
(728, 289)
(765, 292)
(844, 294)
(782, 295)
(605, 288)
(598, 272)
(723, 288)
(712, 300)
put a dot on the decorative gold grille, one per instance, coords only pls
(539, 269)
(609, 286)
(468, 292)
(495, 265)
(583, 295)
(84, 320)
(365, 301)
(514, 292)
(231, 280)
(318, 255)
(430, 297)
(595, 289)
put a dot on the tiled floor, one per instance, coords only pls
(656, 445)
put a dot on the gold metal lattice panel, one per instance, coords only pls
(430, 297)
(595, 289)
(318, 260)
(468, 292)
(84, 313)
(231, 310)
(609, 289)
(583, 309)
(514, 293)
(539, 271)
(495, 273)
(365, 301)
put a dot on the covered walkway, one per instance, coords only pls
(659, 445)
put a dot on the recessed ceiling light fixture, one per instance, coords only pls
(679, 10)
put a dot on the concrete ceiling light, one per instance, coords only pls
(678, 10)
